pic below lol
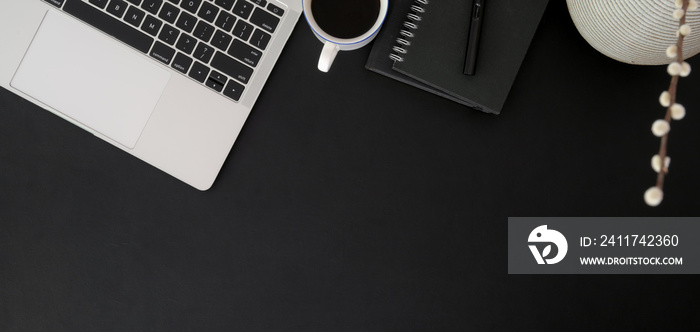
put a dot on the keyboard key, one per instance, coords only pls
(231, 67)
(216, 86)
(221, 40)
(199, 72)
(208, 12)
(260, 39)
(99, 3)
(225, 21)
(134, 16)
(261, 3)
(151, 6)
(162, 53)
(221, 62)
(233, 90)
(275, 10)
(169, 13)
(203, 52)
(226, 4)
(186, 22)
(217, 76)
(169, 34)
(182, 63)
(186, 44)
(57, 3)
(203, 31)
(265, 20)
(108, 24)
(245, 53)
(117, 8)
(191, 5)
(242, 30)
(151, 25)
(243, 8)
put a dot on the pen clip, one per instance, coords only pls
(477, 10)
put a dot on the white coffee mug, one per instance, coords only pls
(334, 44)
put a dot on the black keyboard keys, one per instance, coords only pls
(242, 30)
(134, 16)
(199, 72)
(99, 3)
(117, 8)
(186, 44)
(260, 39)
(226, 4)
(57, 3)
(208, 12)
(221, 40)
(243, 8)
(186, 22)
(182, 63)
(203, 52)
(152, 6)
(232, 67)
(151, 25)
(265, 20)
(225, 21)
(191, 5)
(214, 84)
(169, 34)
(169, 13)
(203, 31)
(108, 24)
(194, 37)
(275, 10)
(261, 3)
(245, 53)
(233, 90)
(162, 53)
(217, 76)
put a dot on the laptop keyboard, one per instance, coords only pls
(217, 43)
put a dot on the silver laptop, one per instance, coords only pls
(168, 81)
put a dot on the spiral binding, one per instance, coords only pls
(414, 18)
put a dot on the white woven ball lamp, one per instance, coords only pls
(633, 31)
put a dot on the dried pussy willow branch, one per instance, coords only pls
(674, 111)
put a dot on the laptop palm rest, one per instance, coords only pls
(90, 78)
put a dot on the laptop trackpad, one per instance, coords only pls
(91, 78)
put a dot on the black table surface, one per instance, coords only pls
(351, 202)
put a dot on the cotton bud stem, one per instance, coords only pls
(654, 195)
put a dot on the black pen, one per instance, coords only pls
(474, 33)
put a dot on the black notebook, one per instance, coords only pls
(424, 42)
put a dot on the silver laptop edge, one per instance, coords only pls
(190, 131)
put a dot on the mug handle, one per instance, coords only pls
(328, 54)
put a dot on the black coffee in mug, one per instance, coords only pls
(345, 19)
